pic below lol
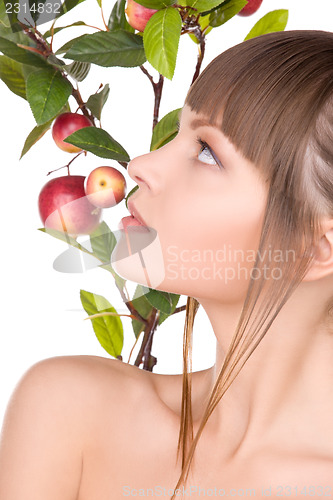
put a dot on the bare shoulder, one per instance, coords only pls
(84, 384)
(81, 381)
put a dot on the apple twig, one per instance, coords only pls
(179, 309)
(102, 13)
(157, 87)
(136, 341)
(145, 357)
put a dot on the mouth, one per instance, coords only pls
(135, 213)
(134, 219)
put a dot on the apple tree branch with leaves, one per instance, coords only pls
(144, 34)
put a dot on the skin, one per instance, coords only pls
(63, 438)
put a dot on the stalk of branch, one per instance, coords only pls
(158, 88)
(130, 306)
(144, 356)
(179, 309)
(201, 54)
(136, 341)
(103, 18)
(77, 96)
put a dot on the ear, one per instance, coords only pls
(322, 264)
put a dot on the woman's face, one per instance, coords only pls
(206, 203)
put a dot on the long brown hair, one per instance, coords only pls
(273, 97)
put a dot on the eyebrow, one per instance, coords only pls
(199, 122)
(196, 123)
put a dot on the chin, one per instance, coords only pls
(138, 257)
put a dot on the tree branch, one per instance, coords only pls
(157, 88)
(144, 355)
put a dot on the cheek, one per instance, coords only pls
(207, 254)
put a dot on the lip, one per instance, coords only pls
(133, 211)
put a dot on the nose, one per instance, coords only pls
(143, 170)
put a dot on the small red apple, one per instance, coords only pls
(63, 206)
(105, 187)
(250, 8)
(65, 125)
(138, 15)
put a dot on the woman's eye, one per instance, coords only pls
(205, 155)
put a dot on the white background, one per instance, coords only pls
(41, 313)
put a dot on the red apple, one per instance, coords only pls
(63, 206)
(105, 187)
(138, 15)
(250, 8)
(65, 125)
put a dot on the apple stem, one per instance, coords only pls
(68, 164)
(103, 18)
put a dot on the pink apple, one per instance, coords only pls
(250, 8)
(65, 125)
(63, 206)
(105, 187)
(138, 15)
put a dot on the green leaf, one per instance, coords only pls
(160, 300)
(98, 142)
(77, 70)
(117, 19)
(60, 235)
(120, 282)
(165, 130)
(38, 132)
(10, 49)
(96, 101)
(12, 75)
(56, 62)
(47, 92)
(156, 4)
(271, 22)
(161, 40)
(34, 136)
(204, 5)
(132, 191)
(99, 2)
(4, 20)
(103, 242)
(109, 48)
(64, 48)
(174, 302)
(226, 12)
(48, 33)
(108, 329)
(143, 307)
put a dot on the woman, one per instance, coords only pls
(244, 196)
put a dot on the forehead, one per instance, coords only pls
(195, 120)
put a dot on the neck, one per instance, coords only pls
(285, 382)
